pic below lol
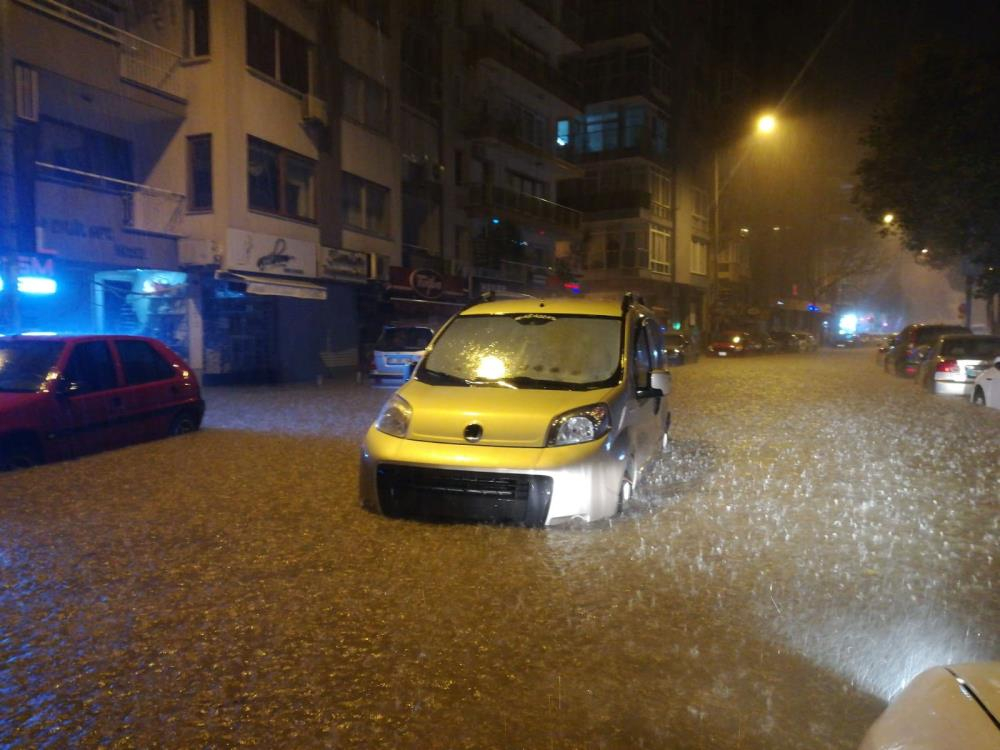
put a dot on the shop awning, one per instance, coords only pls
(268, 285)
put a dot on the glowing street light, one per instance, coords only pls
(766, 124)
(888, 219)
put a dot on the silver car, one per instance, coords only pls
(398, 350)
(950, 365)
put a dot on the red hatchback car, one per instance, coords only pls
(67, 396)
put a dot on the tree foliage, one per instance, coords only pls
(933, 160)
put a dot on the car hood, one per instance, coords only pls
(937, 710)
(517, 418)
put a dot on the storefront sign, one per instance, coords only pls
(78, 223)
(265, 253)
(342, 265)
(426, 283)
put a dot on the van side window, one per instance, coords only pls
(641, 358)
(656, 344)
(90, 368)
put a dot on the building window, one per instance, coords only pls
(365, 101)
(659, 189)
(84, 151)
(200, 173)
(699, 256)
(196, 28)
(702, 205)
(365, 205)
(279, 181)
(276, 51)
(529, 126)
(659, 251)
(376, 12)
(521, 183)
(600, 132)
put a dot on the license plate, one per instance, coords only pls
(397, 361)
(723, 354)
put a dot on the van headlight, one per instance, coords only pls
(580, 425)
(394, 418)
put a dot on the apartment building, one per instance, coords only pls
(92, 99)
(645, 205)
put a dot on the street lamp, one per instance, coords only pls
(888, 219)
(766, 125)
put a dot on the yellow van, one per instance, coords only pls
(525, 411)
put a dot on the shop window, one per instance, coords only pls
(279, 181)
(276, 51)
(365, 205)
(365, 101)
(142, 363)
(196, 28)
(200, 172)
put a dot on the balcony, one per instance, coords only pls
(485, 42)
(615, 19)
(640, 143)
(521, 207)
(502, 124)
(140, 62)
(143, 208)
(567, 19)
(627, 84)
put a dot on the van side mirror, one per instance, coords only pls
(659, 385)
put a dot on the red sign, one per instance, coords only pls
(426, 283)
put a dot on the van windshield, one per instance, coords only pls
(24, 364)
(526, 350)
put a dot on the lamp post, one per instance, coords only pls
(766, 124)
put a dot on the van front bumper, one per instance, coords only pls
(487, 484)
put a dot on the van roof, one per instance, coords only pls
(555, 305)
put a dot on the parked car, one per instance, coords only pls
(986, 387)
(731, 344)
(904, 358)
(523, 411)
(807, 342)
(680, 350)
(957, 706)
(786, 340)
(953, 362)
(398, 350)
(67, 396)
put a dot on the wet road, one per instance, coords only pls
(818, 533)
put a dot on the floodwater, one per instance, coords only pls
(817, 534)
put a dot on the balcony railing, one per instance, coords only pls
(619, 19)
(502, 123)
(144, 208)
(627, 201)
(566, 19)
(530, 207)
(139, 61)
(487, 42)
(490, 267)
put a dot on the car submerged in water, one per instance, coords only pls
(524, 411)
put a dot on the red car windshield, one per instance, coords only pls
(24, 364)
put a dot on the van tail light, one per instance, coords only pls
(947, 365)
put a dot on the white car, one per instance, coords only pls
(986, 388)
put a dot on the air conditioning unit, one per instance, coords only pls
(314, 110)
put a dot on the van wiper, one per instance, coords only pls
(524, 381)
(434, 377)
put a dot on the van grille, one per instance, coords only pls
(469, 496)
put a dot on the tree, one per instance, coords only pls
(933, 162)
